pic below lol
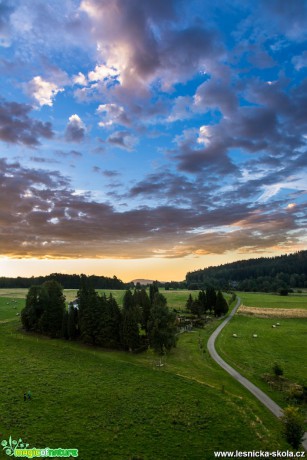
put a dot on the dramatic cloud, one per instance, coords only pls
(136, 45)
(43, 217)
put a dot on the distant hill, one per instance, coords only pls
(142, 281)
(264, 274)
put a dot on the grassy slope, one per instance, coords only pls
(115, 405)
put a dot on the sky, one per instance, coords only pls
(149, 138)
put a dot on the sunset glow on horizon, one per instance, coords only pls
(146, 139)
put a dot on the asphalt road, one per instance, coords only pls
(263, 398)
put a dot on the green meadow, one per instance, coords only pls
(285, 344)
(260, 299)
(175, 299)
(116, 405)
(9, 307)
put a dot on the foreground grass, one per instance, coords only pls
(114, 405)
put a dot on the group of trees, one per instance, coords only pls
(275, 274)
(143, 321)
(208, 301)
(44, 309)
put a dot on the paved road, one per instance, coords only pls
(263, 398)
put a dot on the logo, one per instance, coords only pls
(21, 449)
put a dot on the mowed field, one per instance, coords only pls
(285, 344)
(116, 405)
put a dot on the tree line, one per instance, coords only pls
(275, 274)
(66, 281)
(144, 320)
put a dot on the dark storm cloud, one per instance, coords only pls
(17, 127)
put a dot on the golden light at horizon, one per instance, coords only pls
(162, 269)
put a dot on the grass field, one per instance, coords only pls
(175, 299)
(285, 344)
(263, 300)
(115, 405)
(9, 307)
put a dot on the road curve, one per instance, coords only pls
(263, 398)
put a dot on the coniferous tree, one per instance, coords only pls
(33, 310)
(89, 312)
(189, 303)
(202, 299)
(131, 317)
(110, 323)
(153, 289)
(211, 298)
(65, 326)
(221, 305)
(73, 322)
(128, 300)
(161, 326)
(196, 307)
(145, 306)
(53, 303)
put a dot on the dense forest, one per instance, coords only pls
(276, 274)
(66, 281)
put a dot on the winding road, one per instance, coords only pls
(263, 398)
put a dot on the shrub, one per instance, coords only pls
(278, 370)
(293, 426)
